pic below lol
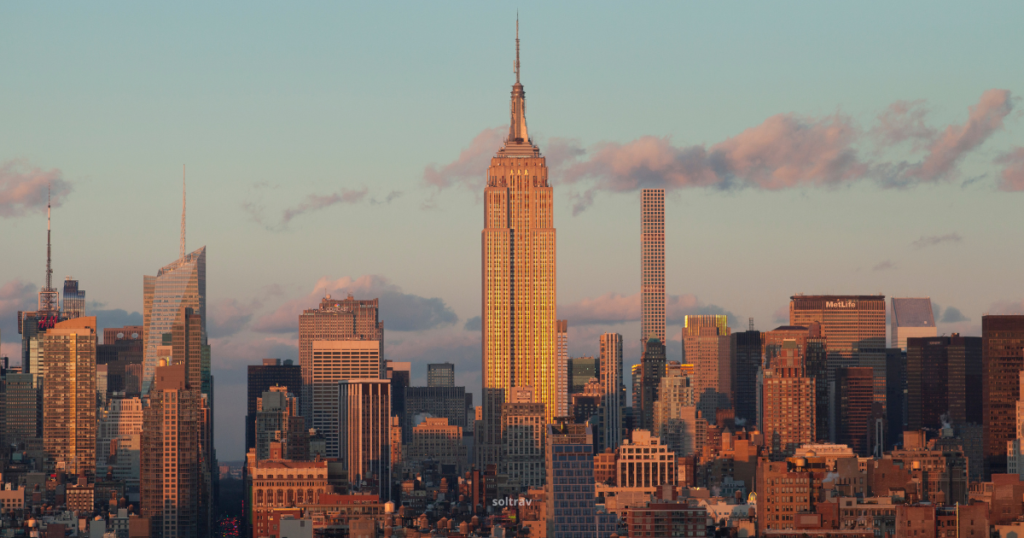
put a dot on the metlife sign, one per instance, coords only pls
(840, 304)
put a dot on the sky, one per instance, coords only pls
(336, 148)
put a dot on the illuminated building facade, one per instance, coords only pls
(707, 346)
(613, 391)
(177, 286)
(69, 396)
(518, 275)
(652, 264)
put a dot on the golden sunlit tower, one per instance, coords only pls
(519, 333)
(652, 265)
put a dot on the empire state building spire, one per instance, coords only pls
(517, 132)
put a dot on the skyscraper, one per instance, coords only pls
(652, 264)
(675, 412)
(788, 400)
(400, 374)
(911, 318)
(652, 370)
(569, 460)
(277, 420)
(69, 396)
(334, 361)
(119, 438)
(1002, 344)
(178, 285)
(334, 320)
(170, 480)
(854, 400)
(562, 369)
(706, 345)
(364, 411)
(746, 359)
(441, 375)
(613, 398)
(581, 370)
(260, 378)
(74, 300)
(854, 326)
(943, 381)
(518, 270)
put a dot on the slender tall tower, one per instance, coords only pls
(48, 305)
(518, 273)
(652, 265)
(612, 389)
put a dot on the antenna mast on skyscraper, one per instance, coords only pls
(517, 47)
(182, 248)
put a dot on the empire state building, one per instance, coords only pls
(519, 333)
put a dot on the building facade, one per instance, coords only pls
(518, 265)
(569, 488)
(854, 402)
(652, 369)
(706, 345)
(652, 264)
(69, 396)
(613, 391)
(178, 285)
(333, 361)
(911, 318)
(271, 373)
(74, 300)
(364, 413)
(441, 375)
(943, 381)
(522, 436)
(746, 359)
(1002, 357)
(788, 406)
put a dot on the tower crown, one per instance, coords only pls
(518, 143)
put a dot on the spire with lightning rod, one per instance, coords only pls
(182, 247)
(517, 47)
(49, 270)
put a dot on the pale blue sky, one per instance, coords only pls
(269, 104)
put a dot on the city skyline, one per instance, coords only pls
(429, 310)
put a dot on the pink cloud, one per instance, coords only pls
(315, 202)
(1013, 173)
(902, 121)
(15, 295)
(469, 170)
(23, 188)
(984, 119)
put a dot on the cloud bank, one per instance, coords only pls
(614, 308)
(785, 151)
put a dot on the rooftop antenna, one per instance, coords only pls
(751, 324)
(182, 247)
(517, 47)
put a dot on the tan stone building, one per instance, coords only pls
(787, 401)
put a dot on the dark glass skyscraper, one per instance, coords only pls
(746, 359)
(261, 377)
(1002, 345)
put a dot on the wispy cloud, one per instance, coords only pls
(933, 240)
(884, 266)
(310, 204)
(468, 170)
(229, 316)
(23, 188)
(1013, 171)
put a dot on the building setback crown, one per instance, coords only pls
(518, 143)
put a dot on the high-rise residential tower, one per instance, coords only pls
(652, 369)
(911, 318)
(706, 345)
(787, 400)
(652, 264)
(178, 285)
(613, 397)
(69, 396)
(1002, 345)
(74, 300)
(519, 335)
(441, 375)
